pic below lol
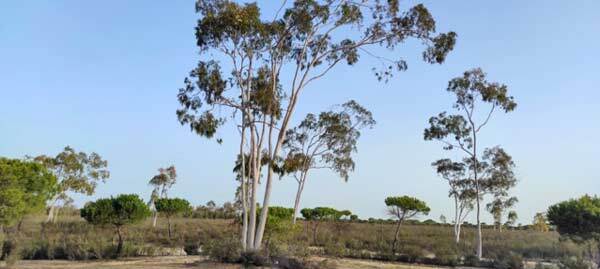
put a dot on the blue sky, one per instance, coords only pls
(103, 76)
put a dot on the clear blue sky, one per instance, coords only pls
(103, 75)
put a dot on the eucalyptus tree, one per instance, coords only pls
(476, 101)
(497, 208)
(403, 208)
(162, 183)
(299, 43)
(511, 218)
(461, 191)
(76, 172)
(326, 141)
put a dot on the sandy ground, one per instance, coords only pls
(196, 262)
(191, 262)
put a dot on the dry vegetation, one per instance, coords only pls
(71, 238)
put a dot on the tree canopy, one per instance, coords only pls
(578, 218)
(172, 206)
(76, 172)
(25, 187)
(121, 210)
(301, 43)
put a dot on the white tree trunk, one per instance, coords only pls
(154, 219)
(50, 217)
(298, 195)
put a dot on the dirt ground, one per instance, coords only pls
(196, 262)
(192, 262)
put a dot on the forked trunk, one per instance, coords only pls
(297, 201)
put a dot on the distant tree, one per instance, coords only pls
(578, 219)
(326, 141)
(26, 187)
(497, 208)
(278, 222)
(76, 172)
(317, 215)
(404, 208)
(300, 44)
(540, 223)
(511, 219)
(170, 207)
(462, 191)
(162, 183)
(462, 130)
(443, 219)
(354, 217)
(120, 211)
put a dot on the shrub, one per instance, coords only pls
(509, 261)
(574, 263)
(226, 250)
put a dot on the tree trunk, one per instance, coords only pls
(120, 243)
(169, 226)
(315, 229)
(255, 176)
(244, 187)
(154, 219)
(457, 236)
(396, 237)
(50, 217)
(298, 195)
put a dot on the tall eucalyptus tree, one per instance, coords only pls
(299, 42)
(326, 141)
(476, 101)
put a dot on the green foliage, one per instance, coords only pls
(77, 172)
(337, 133)
(25, 187)
(404, 207)
(320, 213)
(577, 217)
(172, 206)
(119, 211)
(540, 223)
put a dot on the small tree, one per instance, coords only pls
(120, 211)
(76, 172)
(317, 215)
(25, 187)
(540, 223)
(162, 182)
(461, 131)
(404, 208)
(170, 207)
(461, 191)
(324, 141)
(497, 208)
